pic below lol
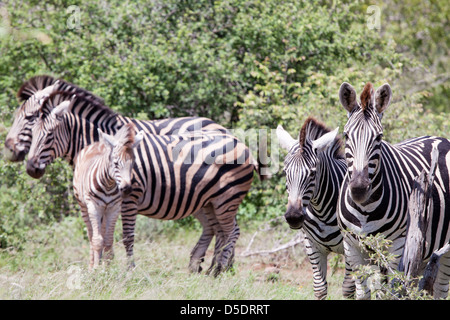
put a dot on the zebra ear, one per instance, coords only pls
(138, 138)
(106, 138)
(47, 91)
(325, 141)
(383, 97)
(61, 109)
(347, 96)
(284, 138)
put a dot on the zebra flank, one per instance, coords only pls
(315, 169)
(375, 192)
(102, 177)
(203, 173)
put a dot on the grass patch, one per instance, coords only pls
(53, 265)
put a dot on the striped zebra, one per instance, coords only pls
(165, 185)
(36, 89)
(375, 192)
(102, 176)
(315, 168)
(32, 93)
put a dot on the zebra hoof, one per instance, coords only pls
(195, 267)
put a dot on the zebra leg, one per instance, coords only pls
(108, 233)
(199, 251)
(95, 218)
(356, 258)
(441, 284)
(224, 249)
(348, 285)
(129, 213)
(318, 260)
(85, 216)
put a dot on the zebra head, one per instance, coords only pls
(33, 93)
(301, 166)
(121, 157)
(49, 139)
(363, 136)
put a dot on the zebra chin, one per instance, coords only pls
(125, 190)
(14, 156)
(12, 153)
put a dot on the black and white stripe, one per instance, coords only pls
(32, 93)
(375, 192)
(163, 187)
(102, 177)
(315, 169)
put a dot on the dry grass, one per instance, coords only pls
(53, 265)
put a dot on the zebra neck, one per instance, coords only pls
(330, 173)
(107, 176)
(83, 132)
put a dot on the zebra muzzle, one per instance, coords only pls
(13, 152)
(125, 190)
(295, 216)
(360, 186)
(35, 169)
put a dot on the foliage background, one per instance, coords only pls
(244, 64)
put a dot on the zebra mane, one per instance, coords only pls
(125, 136)
(313, 129)
(367, 96)
(33, 85)
(54, 100)
(80, 104)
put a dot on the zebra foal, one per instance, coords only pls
(102, 177)
(375, 192)
(315, 168)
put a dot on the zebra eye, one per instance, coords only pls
(30, 117)
(379, 137)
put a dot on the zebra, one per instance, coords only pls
(36, 89)
(375, 192)
(102, 176)
(164, 186)
(315, 168)
(32, 93)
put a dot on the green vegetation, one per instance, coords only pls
(245, 64)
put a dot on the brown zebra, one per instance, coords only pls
(102, 176)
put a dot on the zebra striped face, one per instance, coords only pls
(18, 140)
(300, 167)
(49, 140)
(122, 158)
(363, 137)
(300, 170)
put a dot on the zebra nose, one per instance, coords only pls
(11, 153)
(9, 144)
(126, 190)
(33, 168)
(294, 216)
(360, 186)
